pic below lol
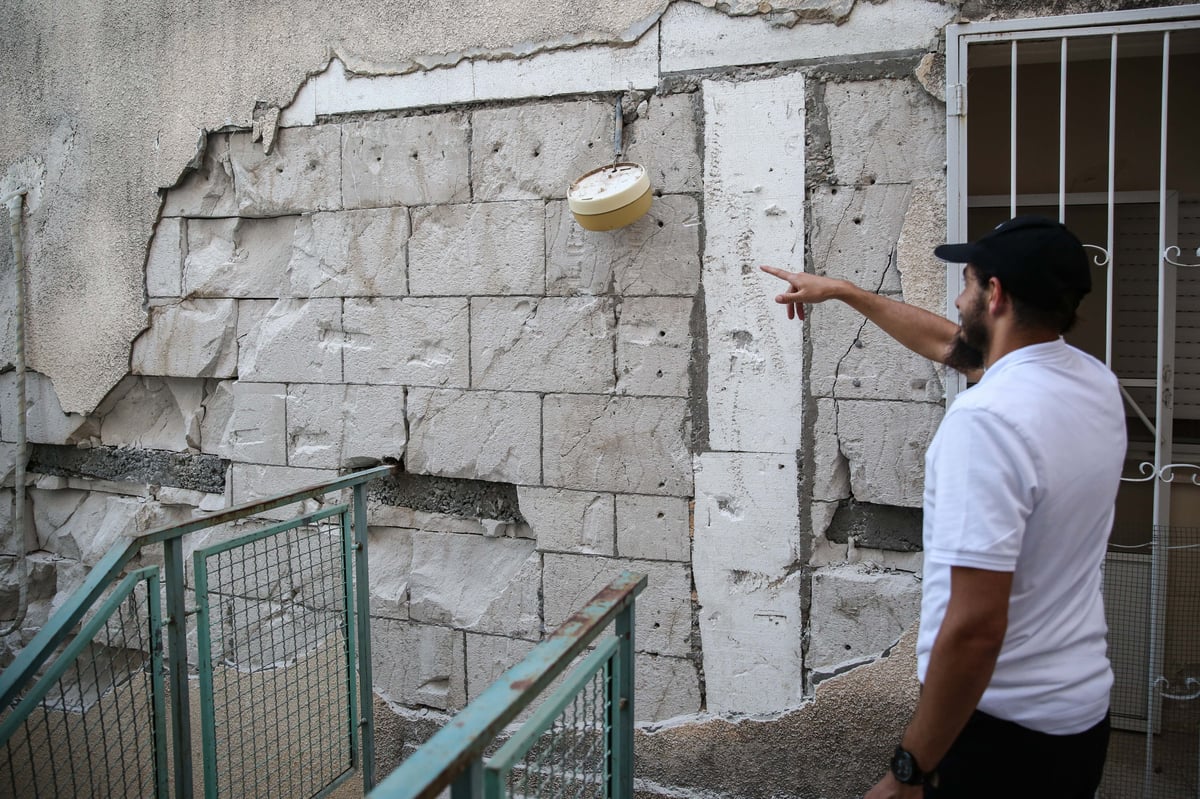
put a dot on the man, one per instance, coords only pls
(1020, 485)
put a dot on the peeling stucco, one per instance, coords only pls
(85, 126)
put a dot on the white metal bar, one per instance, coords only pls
(1012, 135)
(1164, 439)
(956, 184)
(1184, 18)
(1110, 242)
(1073, 198)
(1062, 134)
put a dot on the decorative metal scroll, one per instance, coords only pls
(1173, 252)
(1166, 473)
(1191, 687)
(1103, 259)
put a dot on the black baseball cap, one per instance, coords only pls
(1036, 259)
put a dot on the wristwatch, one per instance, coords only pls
(905, 768)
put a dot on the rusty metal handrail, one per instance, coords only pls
(453, 756)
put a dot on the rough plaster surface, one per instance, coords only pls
(836, 745)
(107, 143)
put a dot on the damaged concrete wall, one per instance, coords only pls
(378, 264)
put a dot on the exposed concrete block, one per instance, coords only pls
(406, 161)
(885, 443)
(337, 254)
(879, 367)
(488, 657)
(747, 515)
(864, 524)
(695, 38)
(337, 91)
(623, 444)
(475, 434)
(302, 172)
(45, 421)
(535, 151)
(885, 131)
(831, 471)
(83, 526)
(375, 425)
(164, 264)
(418, 664)
(569, 521)
(153, 412)
(253, 635)
(854, 233)
(349, 254)
(922, 276)
(487, 248)
(663, 618)
(290, 340)
(654, 346)
(126, 470)
(859, 612)
(664, 138)
(821, 515)
(407, 341)
(192, 338)
(444, 504)
(753, 661)
(334, 426)
(204, 501)
(754, 207)
(657, 255)
(579, 70)
(384, 514)
(665, 687)
(207, 191)
(542, 344)
(654, 528)
(390, 552)
(745, 560)
(251, 481)
(834, 329)
(238, 257)
(476, 583)
(245, 422)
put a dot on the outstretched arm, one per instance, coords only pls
(925, 333)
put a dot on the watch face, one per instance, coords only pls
(903, 766)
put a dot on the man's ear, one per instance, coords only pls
(997, 298)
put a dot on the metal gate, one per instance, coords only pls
(272, 616)
(1094, 120)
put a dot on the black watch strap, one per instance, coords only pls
(905, 768)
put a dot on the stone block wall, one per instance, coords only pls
(394, 275)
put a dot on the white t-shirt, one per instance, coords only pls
(1022, 477)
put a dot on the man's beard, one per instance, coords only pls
(970, 343)
(963, 357)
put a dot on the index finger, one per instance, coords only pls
(783, 274)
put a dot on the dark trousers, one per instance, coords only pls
(997, 758)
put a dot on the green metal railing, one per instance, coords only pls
(579, 741)
(275, 621)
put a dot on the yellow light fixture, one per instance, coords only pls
(610, 197)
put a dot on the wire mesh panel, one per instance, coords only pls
(564, 749)
(94, 724)
(277, 671)
(1152, 600)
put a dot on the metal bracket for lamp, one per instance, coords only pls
(614, 195)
